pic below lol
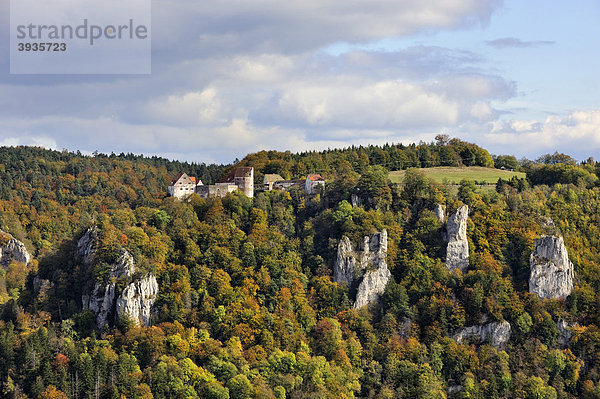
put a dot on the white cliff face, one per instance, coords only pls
(497, 334)
(368, 266)
(14, 250)
(457, 252)
(345, 264)
(100, 302)
(440, 213)
(105, 301)
(87, 245)
(372, 286)
(137, 299)
(124, 266)
(551, 271)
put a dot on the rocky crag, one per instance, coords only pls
(551, 271)
(367, 265)
(345, 265)
(564, 333)
(440, 213)
(137, 299)
(106, 301)
(11, 250)
(497, 334)
(457, 252)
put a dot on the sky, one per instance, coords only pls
(231, 77)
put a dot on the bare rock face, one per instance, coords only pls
(137, 299)
(345, 264)
(564, 334)
(355, 200)
(87, 245)
(105, 301)
(457, 252)
(41, 286)
(102, 300)
(125, 266)
(497, 334)
(551, 271)
(440, 213)
(368, 266)
(372, 285)
(12, 250)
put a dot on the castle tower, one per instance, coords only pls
(244, 179)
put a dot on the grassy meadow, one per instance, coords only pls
(453, 175)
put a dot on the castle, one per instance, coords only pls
(310, 185)
(239, 179)
(242, 179)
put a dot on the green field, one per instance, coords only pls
(454, 175)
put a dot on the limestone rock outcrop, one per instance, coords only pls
(102, 299)
(137, 299)
(355, 200)
(106, 301)
(12, 249)
(564, 333)
(372, 285)
(440, 213)
(367, 265)
(100, 302)
(41, 286)
(345, 264)
(457, 252)
(497, 334)
(551, 271)
(87, 245)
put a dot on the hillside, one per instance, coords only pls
(454, 175)
(109, 288)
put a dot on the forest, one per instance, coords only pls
(247, 306)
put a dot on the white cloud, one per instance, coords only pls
(232, 26)
(263, 69)
(577, 133)
(189, 109)
(233, 76)
(379, 104)
(223, 108)
(513, 42)
(38, 141)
